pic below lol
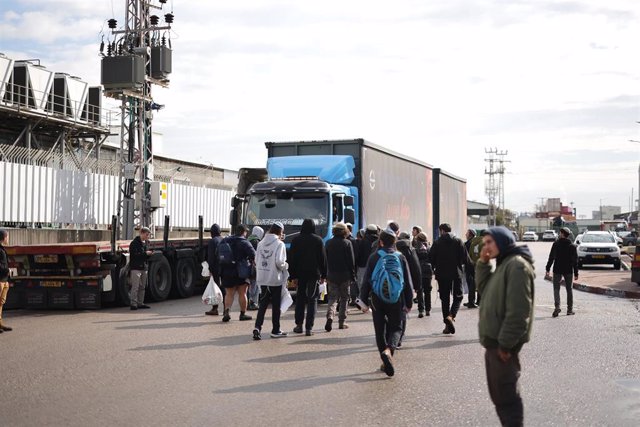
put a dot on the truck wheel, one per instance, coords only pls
(122, 286)
(184, 278)
(617, 265)
(159, 279)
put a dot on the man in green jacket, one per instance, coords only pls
(506, 317)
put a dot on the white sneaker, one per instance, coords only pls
(278, 334)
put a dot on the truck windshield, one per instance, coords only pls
(290, 209)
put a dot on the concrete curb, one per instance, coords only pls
(606, 291)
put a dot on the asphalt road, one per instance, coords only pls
(172, 366)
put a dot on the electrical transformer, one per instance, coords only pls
(122, 72)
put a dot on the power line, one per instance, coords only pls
(494, 184)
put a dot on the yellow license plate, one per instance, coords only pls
(598, 256)
(46, 259)
(51, 284)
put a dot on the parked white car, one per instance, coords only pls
(530, 236)
(599, 247)
(549, 236)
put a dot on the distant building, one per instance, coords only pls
(608, 212)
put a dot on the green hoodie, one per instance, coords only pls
(506, 311)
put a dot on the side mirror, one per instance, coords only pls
(233, 218)
(235, 202)
(350, 216)
(349, 201)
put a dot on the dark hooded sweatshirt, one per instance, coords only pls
(563, 257)
(307, 258)
(506, 312)
(447, 256)
(405, 248)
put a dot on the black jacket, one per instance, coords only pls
(407, 294)
(242, 252)
(340, 260)
(307, 258)
(563, 257)
(365, 249)
(4, 265)
(138, 254)
(212, 258)
(405, 248)
(447, 256)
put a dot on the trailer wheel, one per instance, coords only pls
(159, 279)
(184, 279)
(122, 286)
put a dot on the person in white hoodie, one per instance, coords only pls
(271, 275)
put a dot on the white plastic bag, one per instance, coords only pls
(205, 269)
(286, 301)
(212, 295)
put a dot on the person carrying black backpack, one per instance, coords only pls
(235, 255)
(388, 282)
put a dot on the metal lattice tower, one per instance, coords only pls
(140, 34)
(494, 184)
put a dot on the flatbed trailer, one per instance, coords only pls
(88, 275)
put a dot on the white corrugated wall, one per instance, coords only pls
(37, 194)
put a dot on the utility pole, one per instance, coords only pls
(137, 58)
(494, 184)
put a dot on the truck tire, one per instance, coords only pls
(159, 279)
(617, 265)
(184, 278)
(122, 286)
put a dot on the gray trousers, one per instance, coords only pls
(338, 296)
(504, 390)
(568, 283)
(138, 280)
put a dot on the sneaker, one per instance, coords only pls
(327, 326)
(256, 335)
(471, 305)
(446, 330)
(226, 316)
(308, 333)
(352, 303)
(212, 312)
(556, 312)
(252, 306)
(570, 312)
(297, 329)
(244, 317)
(143, 306)
(421, 315)
(427, 313)
(466, 304)
(449, 322)
(343, 325)
(278, 334)
(134, 307)
(387, 362)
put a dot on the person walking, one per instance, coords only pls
(271, 276)
(506, 318)
(307, 267)
(421, 245)
(257, 233)
(564, 259)
(353, 286)
(235, 256)
(340, 273)
(470, 269)
(364, 251)
(4, 277)
(447, 258)
(387, 281)
(212, 260)
(403, 245)
(138, 264)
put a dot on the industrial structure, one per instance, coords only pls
(494, 184)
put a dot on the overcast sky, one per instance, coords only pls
(556, 83)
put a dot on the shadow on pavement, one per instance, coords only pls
(440, 344)
(164, 325)
(306, 356)
(147, 318)
(301, 384)
(215, 342)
